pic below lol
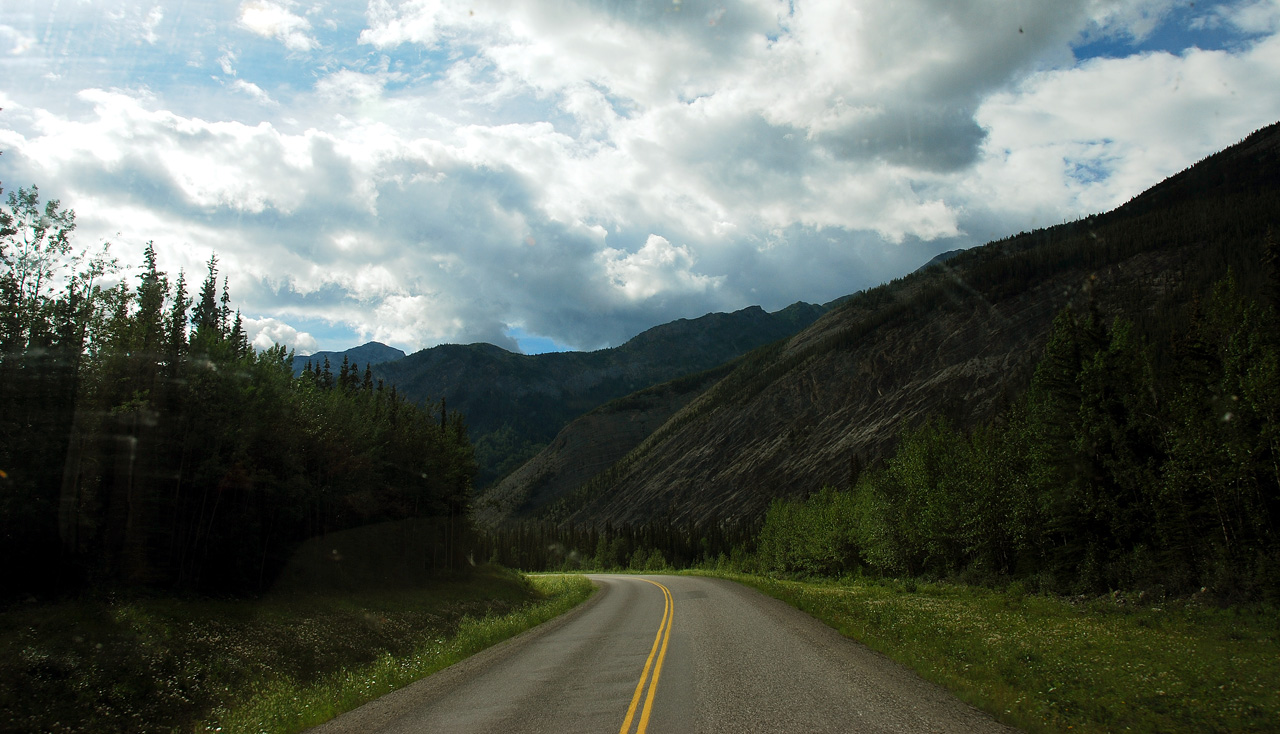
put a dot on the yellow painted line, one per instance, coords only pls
(658, 652)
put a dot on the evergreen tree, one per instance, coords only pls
(224, 308)
(153, 289)
(206, 318)
(239, 340)
(345, 379)
(326, 375)
(176, 332)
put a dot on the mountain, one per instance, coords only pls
(365, 354)
(588, 446)
(515, 403)
(959, 339)
(940, 258)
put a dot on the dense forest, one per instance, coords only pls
(1127, 464)
(143, 441)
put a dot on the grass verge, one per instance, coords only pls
(276, 665)
(1046, 664)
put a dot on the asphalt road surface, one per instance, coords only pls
(671, 654)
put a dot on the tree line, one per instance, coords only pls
(533, 545)
(144, 441)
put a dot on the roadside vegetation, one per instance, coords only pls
(1115, 663)
(139, 663)
(198, 539)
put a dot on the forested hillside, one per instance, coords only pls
(516, 403)
(1125, 465)
(1168, 302)
(143, 441)
(369, 353)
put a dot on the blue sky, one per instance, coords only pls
(565, 175)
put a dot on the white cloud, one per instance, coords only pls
(204, 164)
(658, 268)
(1260, 16)
(275, 20)
(254, 91)
(414, 21)
(265, 333)
(460, 167)
(1084, 140)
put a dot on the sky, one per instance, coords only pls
(566, 174)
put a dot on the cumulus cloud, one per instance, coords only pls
(433, 171)
(267, 332)
(188, 163)
(656, 268)
(1061, 145)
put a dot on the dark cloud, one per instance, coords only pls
(929, 138)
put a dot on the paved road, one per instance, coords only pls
(725, 658)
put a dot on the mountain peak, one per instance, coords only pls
(368, 353)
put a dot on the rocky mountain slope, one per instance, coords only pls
(959, 339)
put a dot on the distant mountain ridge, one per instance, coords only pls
(368, 353)
(939, 258)
(515, 403)
(959, 341)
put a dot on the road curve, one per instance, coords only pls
(725, 658)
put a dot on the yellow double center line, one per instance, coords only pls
(658, 653)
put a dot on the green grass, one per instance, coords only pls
(276, 665)
(1051, 665)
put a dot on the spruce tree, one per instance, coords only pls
(224, 308)
(326, 376)
(152, 291)
(239, 340)
(205, 318)
(176, 331)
